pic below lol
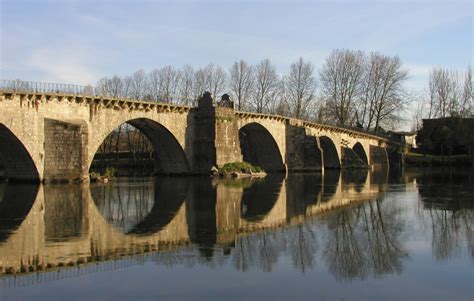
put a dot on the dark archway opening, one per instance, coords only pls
(141, 147)
(16, 163)
(330, 156)
(359, 150)
(259, 148)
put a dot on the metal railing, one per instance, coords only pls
(42, 87)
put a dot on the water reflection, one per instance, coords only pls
(365, 240)
(260, 197)
(65, 212)
(353, 223)
(140, 206)
(12, 213)
(447, 199)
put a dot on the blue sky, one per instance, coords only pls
(80, 41)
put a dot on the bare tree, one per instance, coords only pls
(444, 87)
(170, 79)
(300, 86)
(383, 95)
(154, 84)
(340, 81)
(185, 86)
(138, 84)
(199, 83)
(466, 107)
(215, 79)
(241, 82)
(111, 87)
(266, 86)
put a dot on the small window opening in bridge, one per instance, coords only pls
(126, 151)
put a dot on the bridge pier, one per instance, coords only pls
(302, 151)
(378, 156)
(350, 159)
(65, 151)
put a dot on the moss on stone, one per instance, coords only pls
(240, 167)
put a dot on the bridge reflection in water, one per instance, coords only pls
(53, 227)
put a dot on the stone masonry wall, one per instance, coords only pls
(65, 153)
(378, 156)
(350, 159)
(302, 151)
(227, 137)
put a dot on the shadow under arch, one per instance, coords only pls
(16, 159)
(359, 150)
(169, 158)
(259, 199)
(259, 148)
(330, 157)
(16, 203)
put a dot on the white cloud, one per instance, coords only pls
(64, 65)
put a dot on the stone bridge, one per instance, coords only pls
(54, 137)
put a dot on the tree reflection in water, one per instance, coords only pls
(448, 209)
(262, 224)
(126, 203)
(16, 201)
(364, 240)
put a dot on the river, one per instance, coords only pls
(350, 235)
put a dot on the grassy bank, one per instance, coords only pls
(415, 159)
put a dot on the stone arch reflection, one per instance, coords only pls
(356, 178)
(16, 201)
(330, 184)
(259, 199)
(143, 207)
(303, 190)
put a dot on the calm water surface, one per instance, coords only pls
(342, 236)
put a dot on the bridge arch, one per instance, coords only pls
(360, 151)
(259, 147)
(330, 155)
(170, 157)
(17, 160)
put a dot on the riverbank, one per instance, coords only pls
(415, 159)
